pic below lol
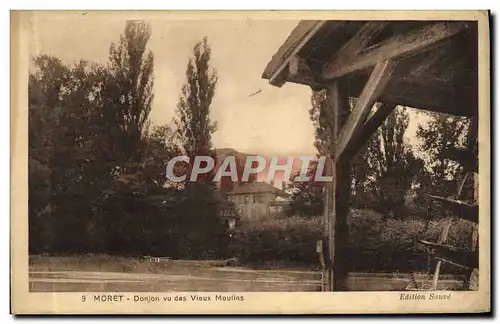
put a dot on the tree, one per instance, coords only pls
(66, 140)
(194, 126)
(204, 225)
(387, 167)
(129, 93)
(439, 136)
(306, 196)
(160, 147)
(318, 115)
(87, 133)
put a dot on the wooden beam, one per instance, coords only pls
(461, 209)
(278, 78)
(298, 68)
(394, 48)
(300, 72)
(358, 42)
(374, 86)
(368, 129)
(405, 91)
(431, 58)
(327, 211)
(340, 190)
(459, 101)
(450, 254)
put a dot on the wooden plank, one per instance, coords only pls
(433, 246)
(394, 48)
(368, 129)
(460, 264)
(278, 77)
(374, 86)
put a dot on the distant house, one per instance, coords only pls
(229, 215)
(279, 204)
(257, 199)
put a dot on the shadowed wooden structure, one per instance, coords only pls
(430, 65)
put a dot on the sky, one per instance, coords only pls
(275, 121)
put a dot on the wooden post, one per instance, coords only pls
(328, 209)
(340, 189)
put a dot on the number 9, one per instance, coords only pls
(84, 298)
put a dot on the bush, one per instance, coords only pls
(290, 239)
(183, 224)
(374, 245)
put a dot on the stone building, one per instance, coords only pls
(257, 199)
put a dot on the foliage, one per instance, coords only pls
(194, 125)
(204, 230)
(441, 134)
(97, 170)
(387, 168)
(285, 239)
(67, 143)
(159, 147)
(375, 245)
(306, 196)
(128, 94)
(318, 114)
(384, 171)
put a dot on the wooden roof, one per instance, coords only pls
(436, 60)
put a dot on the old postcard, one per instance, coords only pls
(333, 162)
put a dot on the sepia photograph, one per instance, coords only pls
(171, 158)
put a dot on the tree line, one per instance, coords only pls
(97, 163)
(391, 175)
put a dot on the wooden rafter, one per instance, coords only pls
(358, 42)
(431, 58)
(298, 68)
(409, 91)
(445, 98)
(278, 78)
(374, 86)
(394, 48)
